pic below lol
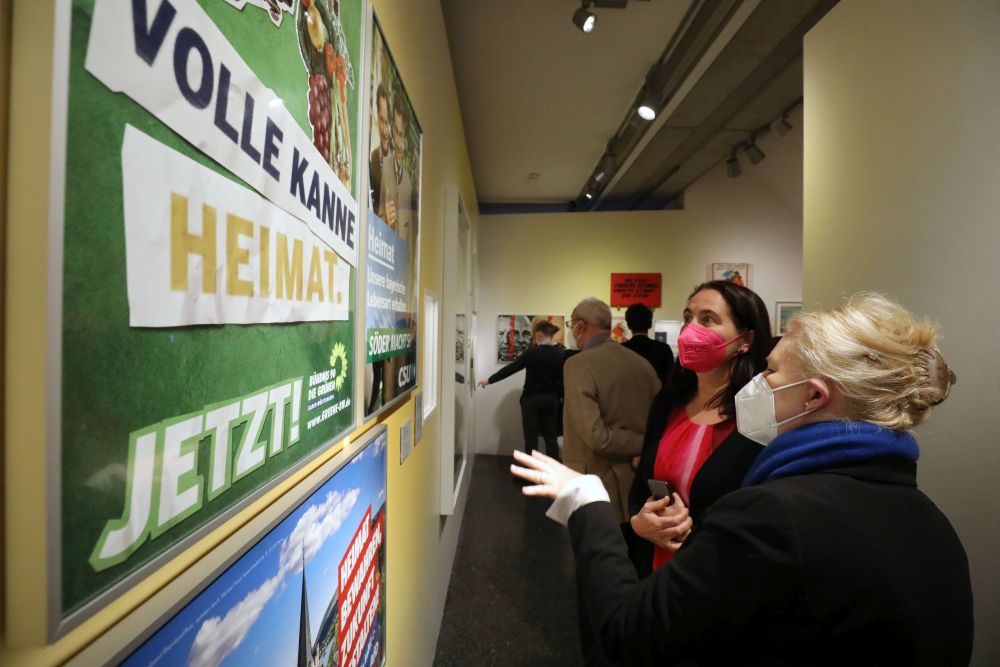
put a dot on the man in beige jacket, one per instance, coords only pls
(608, 390)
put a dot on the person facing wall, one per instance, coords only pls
(639, 319)
(828, 553)
(543, 387)
(608, 393)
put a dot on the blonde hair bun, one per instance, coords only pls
(884, 359)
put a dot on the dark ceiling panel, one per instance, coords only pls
(780, 92)
(756, 77)
(664, 144)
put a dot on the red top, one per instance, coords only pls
(683, 449)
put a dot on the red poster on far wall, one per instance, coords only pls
(629, 288)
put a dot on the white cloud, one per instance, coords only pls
(317, 524)
(218, 637)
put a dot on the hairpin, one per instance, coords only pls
(873, 355)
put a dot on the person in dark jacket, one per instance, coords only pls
(828, 554)
(639, 319)
(691, 439)
(543, 387)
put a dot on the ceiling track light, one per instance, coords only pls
(584, 19)
(604, 167)
(649, 104)
(754, 153)
(733, 169)
(782, 126)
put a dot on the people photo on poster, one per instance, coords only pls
(393, 233)
(309, 591)
(514, 334)
(209, 235)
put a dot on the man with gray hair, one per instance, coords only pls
(608, 392)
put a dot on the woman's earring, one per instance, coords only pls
(743, 349)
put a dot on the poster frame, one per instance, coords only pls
(717, 271)
(57, 623)
(780, 319)
(371, 23)
(122, 641)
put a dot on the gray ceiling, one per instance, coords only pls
(539, 96)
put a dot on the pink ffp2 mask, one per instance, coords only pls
(700, 349)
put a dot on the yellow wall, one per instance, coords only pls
(902, 195)
(420, 543)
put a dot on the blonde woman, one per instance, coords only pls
(828, 554)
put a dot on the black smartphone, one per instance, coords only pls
(661, 489)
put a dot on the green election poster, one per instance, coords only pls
(208, 269)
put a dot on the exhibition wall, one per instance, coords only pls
(91, 306)
(546, 263)
(901, 197)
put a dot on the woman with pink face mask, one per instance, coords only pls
(827, 553)
(691, 440)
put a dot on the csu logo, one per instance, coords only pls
(407, 374)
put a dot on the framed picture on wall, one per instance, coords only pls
(304, 583)
(619, 329)
(667, 331)
(783, 312)
(514, 334)
(735, 272)
(394, 156)
(136, 394)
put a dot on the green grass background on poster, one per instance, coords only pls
(117, 379)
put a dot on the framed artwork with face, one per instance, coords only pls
(514, 333)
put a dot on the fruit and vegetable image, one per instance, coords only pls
(324, 52)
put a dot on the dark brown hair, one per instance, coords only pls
(749, 314)
(546, 328)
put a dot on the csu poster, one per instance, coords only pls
(209, 263)
(391, 270)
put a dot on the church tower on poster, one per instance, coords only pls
(306, 656)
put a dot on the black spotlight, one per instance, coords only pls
(754, 153)
(733, 166)
(584, 19)
(782, 126)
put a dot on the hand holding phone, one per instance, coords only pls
(661, 490)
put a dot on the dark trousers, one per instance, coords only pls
(539, 416)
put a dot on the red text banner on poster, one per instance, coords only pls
(359, 593)
(629, 288)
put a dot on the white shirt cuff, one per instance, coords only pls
(581, 491)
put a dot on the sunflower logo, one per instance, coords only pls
(338, 361)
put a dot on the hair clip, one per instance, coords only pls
(939, 373)
(873, 355)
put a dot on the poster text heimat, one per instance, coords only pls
(176, 63)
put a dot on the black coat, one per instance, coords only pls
(844, 566)
(721, 473)
(656, 353)
(543, 369)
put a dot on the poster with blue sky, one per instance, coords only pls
(314, 584)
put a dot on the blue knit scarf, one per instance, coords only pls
(825, 445)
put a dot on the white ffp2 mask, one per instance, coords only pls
(755, 417)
